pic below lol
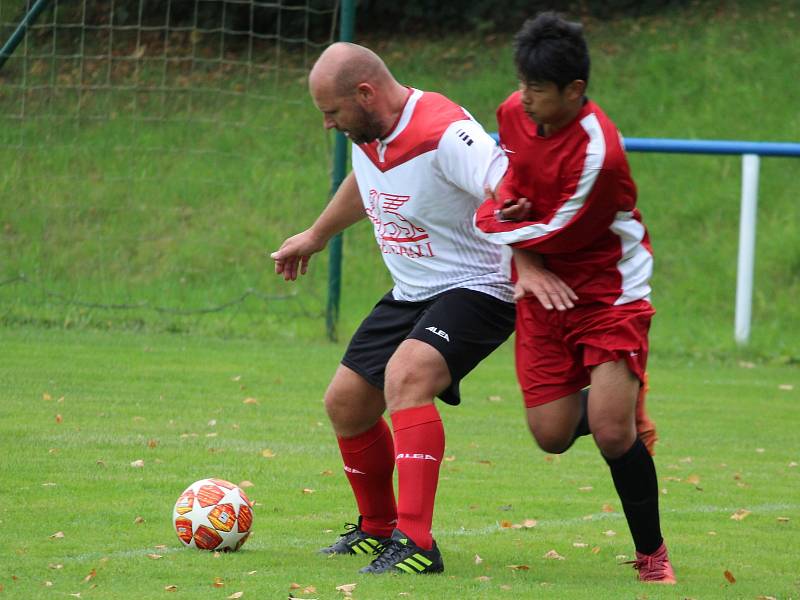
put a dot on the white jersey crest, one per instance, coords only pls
(420, 186)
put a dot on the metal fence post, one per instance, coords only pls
(346, 23)
(747, 248)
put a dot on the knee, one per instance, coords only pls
(614, 441)
(552, 442)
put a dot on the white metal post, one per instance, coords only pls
(747, 248)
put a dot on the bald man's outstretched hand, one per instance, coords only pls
(294, 254)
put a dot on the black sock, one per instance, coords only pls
(582, 428)
(634, 475)
(583, 425)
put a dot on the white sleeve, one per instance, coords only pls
(470, 159)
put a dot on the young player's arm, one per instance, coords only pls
(534, 280)
(344, 209)
(586, 208)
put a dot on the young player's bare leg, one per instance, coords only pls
(612, 418)
(612, 403)
(553, 424)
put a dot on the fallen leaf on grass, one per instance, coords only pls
(57, 535)
(308, 491)
(740, 514)
(609, 532)
(76, 595)
(792, 464)
(786, 387)
(518, 567)
(49, 484)
(585, 488)
(46, 584)
(607, 508)
(579, 545)
(596, 550)
(46, 396)
(160, 547)
(483, 578)
(92, 574)
(506, 524)
(326, 473)
(137, 464)
(59, 418)
(295, 586)
(495, 399)
(152, 443)
(693, 479)
(267, 453)
(782, 519)
(138, 520)
(171, 588)
(729, 576)
(246, 484)
(760, 450)
(766, 598)
(154, 556)
(310, 589)
(505, 587)
(745, 364)
(529, 523)
(346, 588)
(56, 566)
(235, 595)
(553, 555)
(249, 401)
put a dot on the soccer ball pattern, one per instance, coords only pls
(213, 514)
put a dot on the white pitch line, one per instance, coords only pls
(758, 509)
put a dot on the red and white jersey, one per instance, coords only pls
(420, 186)
(585, 223)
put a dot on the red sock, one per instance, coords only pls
(419, 444)
(369, 465)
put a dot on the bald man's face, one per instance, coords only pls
(346, 114)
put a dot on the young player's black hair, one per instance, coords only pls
(549, 48)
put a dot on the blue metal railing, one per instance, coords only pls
(751, 153)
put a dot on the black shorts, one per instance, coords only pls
(465, 326)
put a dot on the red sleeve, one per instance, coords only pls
(590, 197)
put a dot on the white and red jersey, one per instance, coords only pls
(585, 223)
(421, 185)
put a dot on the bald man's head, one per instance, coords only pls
(343, 66)
(355, 92)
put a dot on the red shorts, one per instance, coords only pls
(555, 350)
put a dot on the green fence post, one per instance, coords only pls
(346, 21)
(8, 48)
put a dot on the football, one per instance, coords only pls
(213, 514)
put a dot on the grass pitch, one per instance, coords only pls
(78, 408)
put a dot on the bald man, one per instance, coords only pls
(420, 167)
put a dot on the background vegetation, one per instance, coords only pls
(163, 222)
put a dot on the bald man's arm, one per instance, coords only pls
(344, 209)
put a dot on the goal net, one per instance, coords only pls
(152, 153)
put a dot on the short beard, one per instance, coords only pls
(369, 128)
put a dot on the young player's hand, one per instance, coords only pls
(547, 287)
(291, 259)
(510, 209)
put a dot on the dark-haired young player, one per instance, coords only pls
(568, 205)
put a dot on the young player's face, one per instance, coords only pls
(546, 105)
